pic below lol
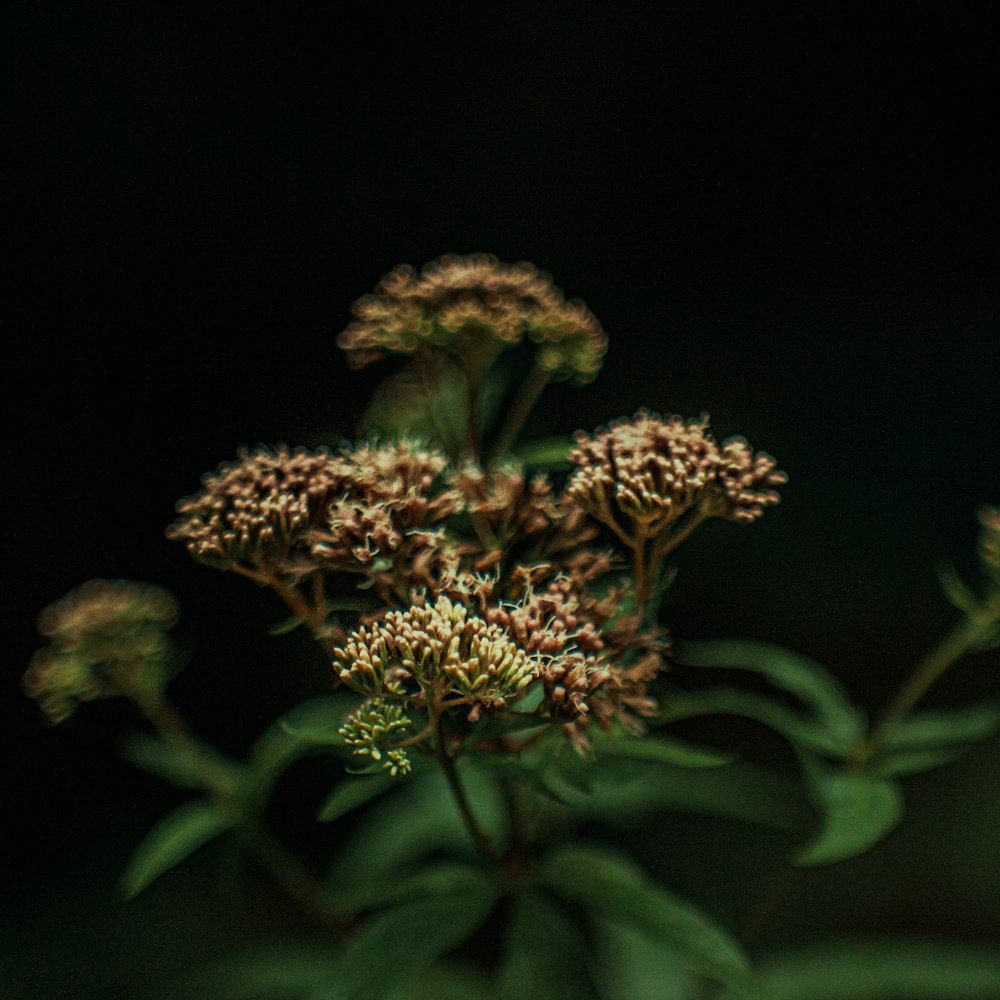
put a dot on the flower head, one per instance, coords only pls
(474, 307)
(989, 542)
(652, 471)
(439, 645)
(257, 510)
(372, 726)
(105, 638)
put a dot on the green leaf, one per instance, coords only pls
(857, 810)
(665, 749)
(281, 743)
(634, 966)
(437, 878)
(449, 981)
(398, 944)
(956, 591)
(278, 971)
(946, 727)
(614, 789)
(176, 836)
(616, 889)
(901, 763)
(155, 756)
(883, 970)
(545, 954)
(418, 819)
(800, 730)
(800, 676)
(546, 453)
(352, 793)
(504, 724)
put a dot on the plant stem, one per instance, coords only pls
(283, 867)
(523, 403)
(965, 636)
(479, 838)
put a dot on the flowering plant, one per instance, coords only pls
(499, 678)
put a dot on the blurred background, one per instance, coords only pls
(786, 220)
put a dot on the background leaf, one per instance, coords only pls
(945, 727)
(545, 954)
(800, 676)
(546, 453)
(882, 970)
(616, 889)
(176, 836)
(665, 749)
(397, 944)
(631, 965)
(352, 793)
(857, 810)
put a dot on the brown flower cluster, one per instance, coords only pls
(255, 511)
(475, 306)
(105, 638)
(653, 471)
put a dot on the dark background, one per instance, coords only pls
(786, 219)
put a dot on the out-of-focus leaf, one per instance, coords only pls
(432, 405)
(799, 729)
(396, 945)
(546, 453)
(155, 756)
(505, 724)
(900, 763)
(545, 955)
(352, 793)
(285, 626)
(279, 745)
(800, 676)
(280, 971)
(613, 789)
(437, 878)
(955, 590)
(444, 982)
(857, 811)
(665, 749)
(941, 728)
(176, 836)
(635, 966)
(617, 890)
(881, 970)
(418, 819)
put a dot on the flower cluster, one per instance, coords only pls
(989, 542)
(372, 726)
(436, 649)
(106, 638)
(256, 511)
(473, 307)
(652, 471)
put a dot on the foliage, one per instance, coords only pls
(497, 698)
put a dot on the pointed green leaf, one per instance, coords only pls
(398, 944)
(545, 953)
(883, 970)
(546, 453)
(633, 966)
(437, 878)
(616, 889)
(800, 730)
(955, 589)
(352, 793)
(153, 755)
(278, 971)
(800, 676)
(945, 727)
(666, 749)
(857, 811)
(176, 836)
(900, 763)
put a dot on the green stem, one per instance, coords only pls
(523, 403)
(476, 834)
(283, 867)
(965, 636)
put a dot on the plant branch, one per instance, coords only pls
(523, 403)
